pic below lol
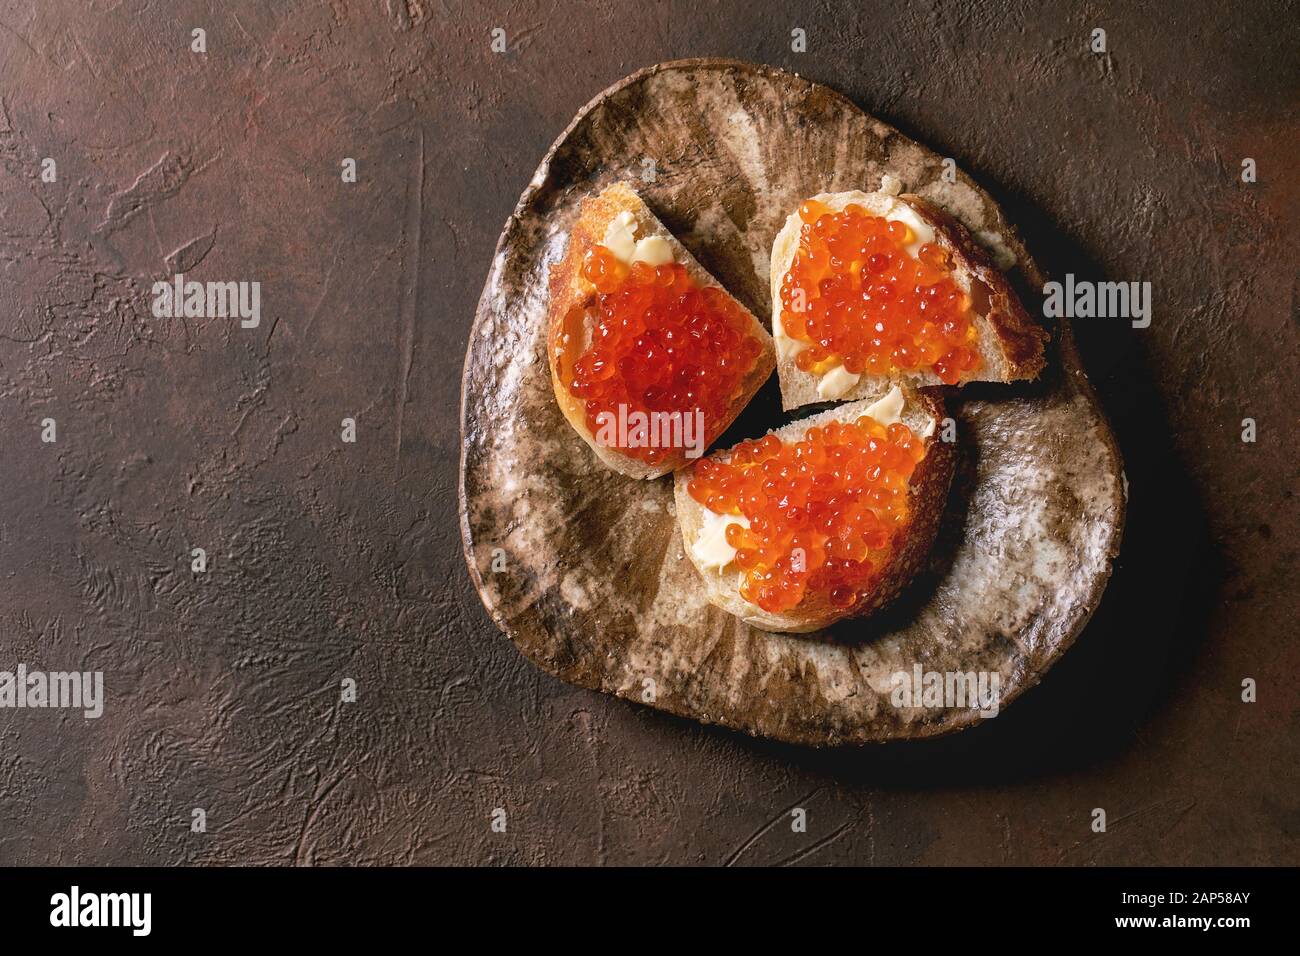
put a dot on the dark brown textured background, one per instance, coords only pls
(331, 560)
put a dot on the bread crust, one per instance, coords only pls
(1022, 340)
(569, 289)
(927, 491)
(1010, 342)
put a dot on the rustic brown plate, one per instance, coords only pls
(584, 569)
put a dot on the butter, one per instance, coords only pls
(653, 250)
(921, 231)
(786, 347)
(888, 409)
(710, 549)
(620, 236)
(620, 239)
(836, 382)
(900, 211)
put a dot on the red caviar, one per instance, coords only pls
(824, 512)
(661, 343)
(859, 299)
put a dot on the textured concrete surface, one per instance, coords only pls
(333, 560)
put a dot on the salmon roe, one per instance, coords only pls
(824, 512)
(856, 296)
(660, 343)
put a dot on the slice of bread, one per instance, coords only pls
(1010, 342)
(569, 289)
(923, 413)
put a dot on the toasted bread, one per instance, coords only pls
(569, 289)
(1010, 342)
(923, 413)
